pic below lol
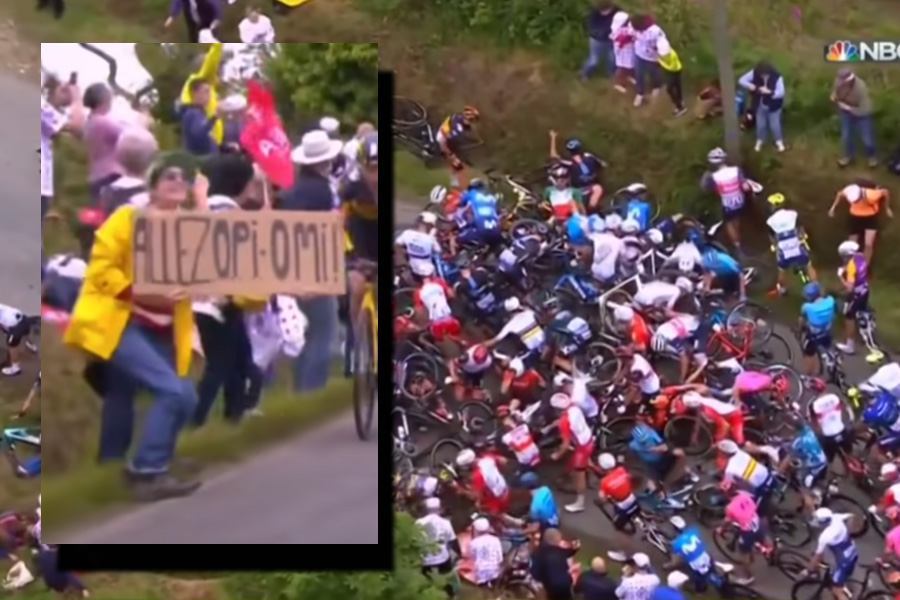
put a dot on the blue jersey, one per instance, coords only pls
(819, 314)
(808, 449)
(642, 447)
(720, 264)
(882, 411)
(543, 508)
(689, 547)
(484, 209)
(639, 210)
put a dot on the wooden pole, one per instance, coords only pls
(722, 43)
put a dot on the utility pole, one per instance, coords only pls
(722, 44)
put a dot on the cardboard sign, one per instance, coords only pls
(232, 253)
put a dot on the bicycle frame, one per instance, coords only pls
(369, 304)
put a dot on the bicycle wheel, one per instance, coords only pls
(878, 595)
(477, 421)
(365, 384)
(791, 529)
(728, 540)
(710, 501)
(758, 315)
(600, 362)
(444, 452)
(791, 563)
(408, 113)
(679, 434)
(810, 589)
(859, 525)
(615, 436)
(738, 591)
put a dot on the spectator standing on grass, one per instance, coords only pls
(550, 565)
(851, 94)
(136, 151)
(766, 86)
(622, 36)
(145, 341)
(671, 66)
(229, 365)
(596, 584)
(62, 111)
(313, 192)
(196, 126)
(647, 36)
(233, 113)
(256, 28)
(101, 133)
(599, 23)
(198, 15)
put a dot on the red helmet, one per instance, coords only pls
(480, 353)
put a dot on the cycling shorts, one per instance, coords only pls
(623, 516)
(800, 261)
(815, 342)
(581, 456)
(477, 235)
(364, 234)
(843, 570)
(857, 302)
(748, 539)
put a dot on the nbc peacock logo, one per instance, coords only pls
(841, 52)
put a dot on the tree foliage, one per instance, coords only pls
(312, 80)
(406, 582)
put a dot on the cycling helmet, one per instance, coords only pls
(477, 185)
(558, 172)
(822, 516)
(692, 400)
(465, 458)
(677, 522)
(685, 285)
(888, 471)
(658, 343)
(470, 113)
(438, 194)
(728, 447)
(811, 291)
(852, 193)
(561, 379)
(695, 237)
(623, 314)
(428, 218)
(630, 227)
(577, 227)
(574, 146)
(641, 432)
(596, 224)
(511, 304)
(656, 237)
(529, 480)
(368, 150)
(847, 248)
(775, 200)
(613, 222)
(560, 401)
(606, 461)
(716, 156)
(479, 354)
(676, 579)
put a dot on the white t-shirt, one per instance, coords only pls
(434, 299)
(53, 121)
(260, 32)
(439, 533)
(783, 224)
(649, 382)
(657, 294)
(487, 558)
(524, 326)
(829, 413)
(10, 317)
(744, 467)
(639, 586)
(607, 249)
(679, 328)
(420, 248)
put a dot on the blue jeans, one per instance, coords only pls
(312, 368)
(645, 68)
(850, 126)
(145, 360)
(768, 121)
(600, 51)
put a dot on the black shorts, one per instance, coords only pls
(860, 225)
(661, 469)
(17, 333)
(855, 304)
(730, 284)
(832, 445)
(814, 343)
(364, 234)
(624, 516)
(731, 214)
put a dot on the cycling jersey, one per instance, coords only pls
(520, 441)
(453, 128)
(432, 296)
(585, 172)
(728, 182)
(483, 207)
(856, 273)
(487, 479)
(689, 547)
(741, 511)
(607, 248)
(743, 467)
(583, 399)
(525, 327)
(836, 538)
(573, 332)
(468, 365)
(657, 294)
(829, 412)
(648, 380)
(807, 448)
(574, 428)
(679, 330)
(686, 256)
(642, 448)
(640, 212)
(479, 290)
(577, 229)
(819, 314)
(892, 542)
(520, 250)
(564, 202)
(420, 248)
(616, 486)
(790, 248)
(543, 508)
(720, 264)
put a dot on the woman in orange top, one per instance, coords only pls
(865, 200)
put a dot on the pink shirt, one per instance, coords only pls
(742, 511)
(751, 382)
(892, 542)
(101, 132)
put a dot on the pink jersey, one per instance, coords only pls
(892, 542)
(742, 511)
(752, 382)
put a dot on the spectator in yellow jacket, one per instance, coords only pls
(208, 72)
(671, 67)
(145, 342)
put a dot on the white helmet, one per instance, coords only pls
(692, 400)
(511, 304)
(623, 314)
(852, 193)
(676, 579)
(606, 461)
(630, 227)
(465, 458)
(613, 222)
(685, 285)
(716, 156)
(658, 343)
(429, 218)
(728, 447)
(517, 367)
(438, 194)
(426, 269)
(560, 401)
(847, 248)
(822, 516)
(561, 379)
(655, 236)
(888, 469)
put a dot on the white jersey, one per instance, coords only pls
(519, 440)
(10, 317)
(524, 326)
(468, 365)
(607, 249)
(742, 466)
(439, 533)
(836, 537)
(420, 249)
(259, 32)
(686, 256)
(887, 378)
(829, 411)
(679, 328)
(657, 294)
(583, 399)
(783, 224)
(581, 431)
(494, 481)
(434, 299)
(649, 382)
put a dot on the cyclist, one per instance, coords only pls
(835, 537)
(664, 463)
(882, 413)
(891, 555)
(432, 305)
(604, 252)
(633, 327)
(418, 246)
(565, 201)
(727, 418)
(476, 286)
(865, 201)
(543, 511)
(661, 295)
(517, 437)
(722, 270)
(488, 487)
(584, 169)
(478, 216)
(748, 385)
(615, 487)
(835, 436)
(576, 389)
(788, 242)
(642, 380)
(742, 512)
(449, 134)
(16, 327)
(467, 371)
(816, 321)
(524, 326)
(813, 464)
(512, 260)
(743, 469)
(360, 204)
(732, 187)
(578, 437)
(678, 336)
(854, 275)
(688, 549)
(571, 334)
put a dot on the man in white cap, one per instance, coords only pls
(487, 554)
(441, 540)
(638, 579)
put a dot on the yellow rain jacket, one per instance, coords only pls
(100, 317)
(209, 72)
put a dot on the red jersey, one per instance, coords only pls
(616, 485)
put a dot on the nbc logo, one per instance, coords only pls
(843, 51)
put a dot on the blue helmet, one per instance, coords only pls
(696, 238)
(576, 227)
(811, 290)
(477, 184)
(641, 433)
(574, 146)
(529, 480)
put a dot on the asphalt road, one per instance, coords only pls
(596, 531)
(20, 236)
(317, 489)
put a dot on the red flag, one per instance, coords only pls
(264, 137)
